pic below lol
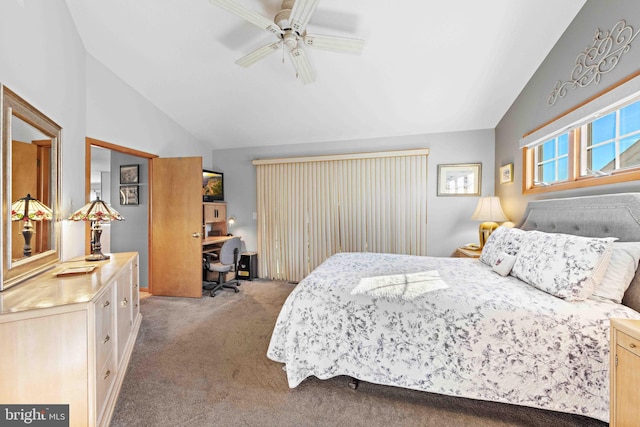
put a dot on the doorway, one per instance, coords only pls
(102, 179)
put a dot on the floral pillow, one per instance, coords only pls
(569, 267)
(503, 239)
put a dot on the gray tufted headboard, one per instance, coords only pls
(609, 215)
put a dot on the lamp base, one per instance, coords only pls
(486, 228)
(97, 257)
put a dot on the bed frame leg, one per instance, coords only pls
(353, 383)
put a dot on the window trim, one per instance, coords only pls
(626, 89)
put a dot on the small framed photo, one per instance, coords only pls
(129, 174)
(459, 179)
(506, 173)
(129, 195)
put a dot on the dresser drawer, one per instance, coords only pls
(105, 378)
(630, 343)
(105, 327)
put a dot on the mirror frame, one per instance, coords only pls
(14, 272)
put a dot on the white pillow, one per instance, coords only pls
(504, 264)
(503, 239)
(569, 267)
(620, 272)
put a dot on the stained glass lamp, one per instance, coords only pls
(28, 209)
(97, 211)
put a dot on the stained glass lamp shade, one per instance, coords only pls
(97, 211)
(28, 209)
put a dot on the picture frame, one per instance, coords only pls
(129, 174)
(506, 173)
(463, 179)
(129, 195)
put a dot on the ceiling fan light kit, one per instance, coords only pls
(289, 25)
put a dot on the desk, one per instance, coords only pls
(213, 243)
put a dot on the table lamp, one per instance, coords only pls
(96, 211)
(28, 209)
(490, 213)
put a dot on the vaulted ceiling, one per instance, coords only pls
(427, 66)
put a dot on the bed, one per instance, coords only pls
(480, 335)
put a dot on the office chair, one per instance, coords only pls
(227, 260)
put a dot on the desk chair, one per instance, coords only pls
(227, 260)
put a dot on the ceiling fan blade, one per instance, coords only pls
(335, 44)
(258, 54)
(248, 15)
(301, 13)
(302, 65)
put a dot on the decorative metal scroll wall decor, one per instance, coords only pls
(598, 59)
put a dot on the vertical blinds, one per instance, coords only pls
(311, 208)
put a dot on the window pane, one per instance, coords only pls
(602, 158)
(547, 150)
(630, 118)
(629, 152)
(549, 172)
(563, 169)
(563, 144)
(603, 129)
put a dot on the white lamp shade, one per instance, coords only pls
(489, 210)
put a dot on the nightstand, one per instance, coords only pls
(624, 372)
(463, 252)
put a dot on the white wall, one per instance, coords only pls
(42, 60)
(531, 110)
(116, 113)
(449, 223)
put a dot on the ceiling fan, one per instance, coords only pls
(289, 25)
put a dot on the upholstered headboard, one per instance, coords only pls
(609, 215)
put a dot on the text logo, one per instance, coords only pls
(34, 415)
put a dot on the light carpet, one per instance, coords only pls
(202, 362)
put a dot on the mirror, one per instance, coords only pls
(30, 170)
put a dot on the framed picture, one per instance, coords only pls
(506, 173)
(459, 179)
(129, 195)
(129, 174)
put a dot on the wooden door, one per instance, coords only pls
(176, 218)
(24, 163)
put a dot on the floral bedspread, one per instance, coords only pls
(484, 337)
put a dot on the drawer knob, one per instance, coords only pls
(106, 304)
(106, 339)
(106, 375)
(632, 345)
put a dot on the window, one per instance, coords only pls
(310, 208)
(552, 160)
(603, 149)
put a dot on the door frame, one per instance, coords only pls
(89, 142)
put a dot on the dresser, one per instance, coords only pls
(68, 339)
(625, 372)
